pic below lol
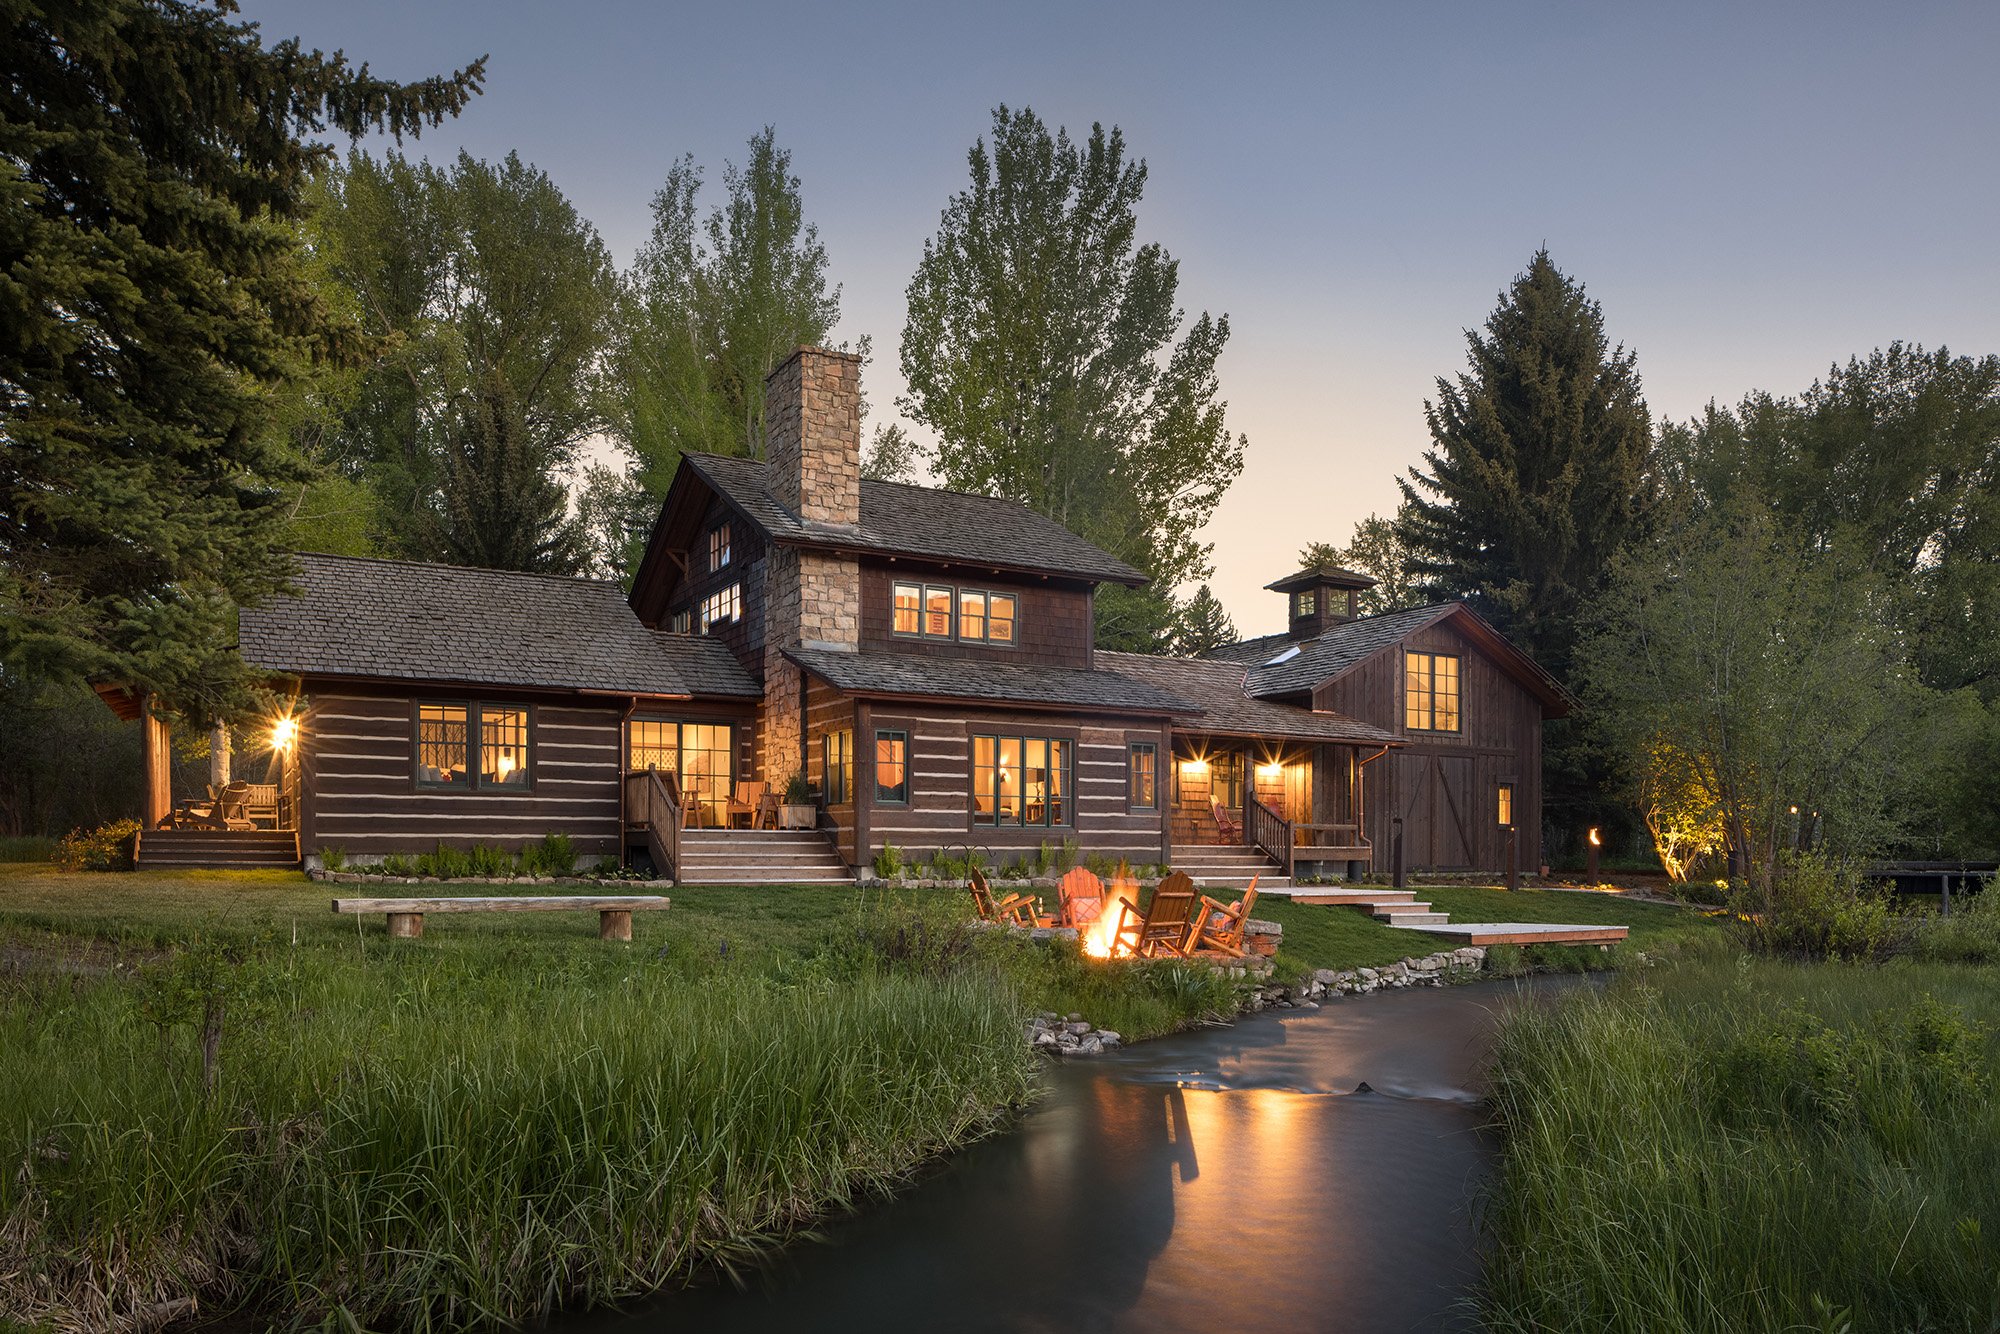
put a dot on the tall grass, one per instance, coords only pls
(440, 1139)
(1746, 1146)
(26, 848)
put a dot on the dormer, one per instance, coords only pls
(1319, 598)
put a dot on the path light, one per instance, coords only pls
(1590, 869)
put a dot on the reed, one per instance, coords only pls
(1751, 1145)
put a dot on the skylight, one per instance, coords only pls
(1286, 656)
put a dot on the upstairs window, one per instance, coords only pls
(1430, 692)
(969, 615)
(1000, 618)
(722, 607)
(718, 547)
(937, 612)
(472, 746)
(909, 612)
(682, 622)
(1305, 603)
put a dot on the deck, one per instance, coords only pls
(1401, 909)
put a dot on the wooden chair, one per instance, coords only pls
(1081, 895)
(1231, 828)
(1014, 910)
(232, 808)
(1219, 926)
(260, 804)
(1165, 928)
(747, 801)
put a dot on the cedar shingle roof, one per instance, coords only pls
(1330, 654)
(1225, 710)
(409, 620)
(905, 520)
(1007, 684)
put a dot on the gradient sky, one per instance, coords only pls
(1752, 191)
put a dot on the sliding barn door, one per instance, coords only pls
(1442, 813)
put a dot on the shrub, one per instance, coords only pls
(27, 848)
(1970, 935)
(1818, 908)
(109, 847)
(445, 862)
(331, 857)
(798, 792)
(397, 863)
(554, 855)
(889, 862)
(487, 860)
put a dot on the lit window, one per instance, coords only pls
(718, 548)
(442, 746)
(1142, 792)
(654, 744)
(503, 746)
(1430, 692)
(721, 607)
(1304, 604)
(1505, 804)
(1020, 780)
(892, 770)
(909, 613)
(1000, 619)
(937, 613)
(837, 760)
(971, 614)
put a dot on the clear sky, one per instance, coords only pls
(1752, 191)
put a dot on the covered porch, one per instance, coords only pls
(1302, 803)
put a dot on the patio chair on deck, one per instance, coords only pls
(1219, 926)
(747, 801)
(1014, 910)
(1230, 827)
(1081, 895)
(260, 804)
(1165, 928)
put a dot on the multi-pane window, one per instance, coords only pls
(1020, 780)
(969, 615)
(1430, 692)
(682, 622)
(721, 607)
(652, 743)
(718, 547)
(463, 747)
(837, 758)
(1504, 805)
(1305, 603)
(701, 756)
(892, 768)
(1142, 792)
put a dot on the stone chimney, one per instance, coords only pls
(812, 599)
(1319, 598)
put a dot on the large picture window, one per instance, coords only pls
(1142, 791)
(473, 747)
(1020, 780)
(1430, 692)
(892, 768)
(837, 761)
(700, 756)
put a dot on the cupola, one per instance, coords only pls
(1319, 598)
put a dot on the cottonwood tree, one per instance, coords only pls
(158, 157)
(494, 301)
(1045, 348)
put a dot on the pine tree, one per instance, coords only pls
(157, 158)
(1540, 468)
(1203, 625)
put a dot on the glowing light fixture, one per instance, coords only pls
(284, 732)
(1198, 764)
(1595, 840)
(506, 766)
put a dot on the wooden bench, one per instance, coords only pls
(614, 912)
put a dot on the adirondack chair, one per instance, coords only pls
(1219, 926)
(1231, 827)
(1014, 910)
(747, 800)
(1082, 897)
(261, 805)
(1165, 928)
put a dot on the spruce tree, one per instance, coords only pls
(1203, 625)
(157, 156)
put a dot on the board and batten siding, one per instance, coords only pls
(358, 788)
(939, 813)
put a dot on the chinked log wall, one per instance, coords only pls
(359, 790)
(939, 814)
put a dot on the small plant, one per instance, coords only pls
(1817, 908)
(109, 847)
(1066, 854)
(889, 862)
(555, 854)
(490, 862)
(332, 858)
(397, 863)
(798, 792)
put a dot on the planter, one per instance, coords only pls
(798, 817)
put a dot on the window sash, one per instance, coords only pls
(503, 746)
(718, 547)
(1001, 617)
(971, 614)
(892, 768)
(938, 611)
(1430, 686)
(444, 746)
(1142, 790)
(907, 609)
(722, 607)
(837, 766)
(471, 746)
(1504, 804)
(1022, 781)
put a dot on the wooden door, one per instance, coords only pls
(1441, 839)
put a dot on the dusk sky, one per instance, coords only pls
(1752, 192)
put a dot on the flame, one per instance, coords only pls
(1099, 938)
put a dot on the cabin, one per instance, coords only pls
(812, 668)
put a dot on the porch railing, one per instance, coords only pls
(653, 805)
(1331, 842)
(1270, 831)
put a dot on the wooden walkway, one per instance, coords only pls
(1401, 909)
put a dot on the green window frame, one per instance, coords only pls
(1142, 784)
(473, 746)
(837, 766)
(1023, 781)
(892, 768)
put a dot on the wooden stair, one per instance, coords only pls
(1228, 866)
(168, 849)
(1401, 908)
(760, 857)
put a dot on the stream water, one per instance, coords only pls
(1228, 1180)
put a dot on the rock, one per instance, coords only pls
(1075, 1018)
(1109, 1038)
(1362, 1087)
(1048, 1016)
(1077, 1026)
(1090, 1046)
(1045, 1039)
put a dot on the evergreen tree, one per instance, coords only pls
(1041, 349)
(1203, 625)
(1376, 550)
(1540, 468)
(156, 161)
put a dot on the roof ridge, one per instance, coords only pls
(472, 569)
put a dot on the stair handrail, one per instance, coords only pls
(653, 799)
(1270, 831)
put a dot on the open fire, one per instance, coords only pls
(1099, 938)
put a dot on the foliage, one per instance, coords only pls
(798, 792)
(332, 857)
(1741, 1145)
(1377, 550)
(65, 759)
(27, 848)
(1202, 625)
(109, 847)
(1040, 349)
(1680, 809)
(158, 155)
(889, 862)
(1970, 935)
(492, 301)
(555, 854)
(1817, 908)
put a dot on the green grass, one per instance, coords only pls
(1737, 1145)
(26, 848)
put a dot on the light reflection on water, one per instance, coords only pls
(1228, 1180)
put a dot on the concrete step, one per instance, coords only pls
(1264, 882)
(1413, 918)
(1333, 897)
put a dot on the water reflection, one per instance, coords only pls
(1222, 1181)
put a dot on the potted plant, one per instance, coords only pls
(797, 811)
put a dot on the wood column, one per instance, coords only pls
(157, 757)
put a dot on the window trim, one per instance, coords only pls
(1067, 785)
(1503, 805)
(894, 585)
(1430, 692)
(475, 728)
(1152, 750)
(875, 766)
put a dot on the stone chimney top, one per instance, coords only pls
(1321, 597)
(812, 436)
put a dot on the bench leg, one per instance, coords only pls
(407, 924)
(614, 924)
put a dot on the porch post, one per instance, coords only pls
(156, 758)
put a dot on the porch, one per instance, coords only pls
(1300, 804)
